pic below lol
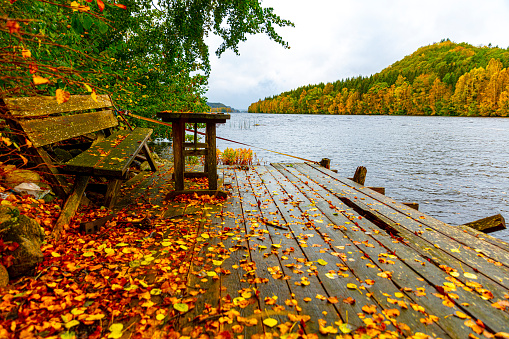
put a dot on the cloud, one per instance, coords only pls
(336, 39)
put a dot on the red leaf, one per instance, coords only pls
(13, 26)
(120, 6)
(100, 4)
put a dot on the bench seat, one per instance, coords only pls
(112, 156)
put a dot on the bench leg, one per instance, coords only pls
(70, 206)
(148, 155)
(112, 193)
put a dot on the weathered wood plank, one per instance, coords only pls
(277, 184)
(405, 261)
(489, 250)
(271, 248)
(112, 156)
(241, 279)
(53, 129)
(360, 253)
(488, 224)
(46, 105)
(481, 308)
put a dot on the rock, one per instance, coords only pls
(4, 276)
(18, 176)
(28, 234)
(26, 258)
(19, 226)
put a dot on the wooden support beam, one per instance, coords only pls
(489, 224)
(380, 190)
(413, 205)
(70, 206)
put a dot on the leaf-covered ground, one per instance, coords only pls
(129, 279)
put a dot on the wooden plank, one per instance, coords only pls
(240, 263)
(193, 145)
(362, 252)
(277, 184)
(430, 273)
(197, 280)
(46, 105)
(262, 239)
(488, 224)
(53, 129)
(421, 221)
(112, 156)
(482, 309)
(195, 152)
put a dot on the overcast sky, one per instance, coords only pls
(336, 39)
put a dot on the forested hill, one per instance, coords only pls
(445, 78)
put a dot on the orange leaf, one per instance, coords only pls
(333, 300)
(120, 6)
(100, 4)
(369, 309)
(62, 96)
(38, 80)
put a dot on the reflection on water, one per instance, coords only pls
(456, 168)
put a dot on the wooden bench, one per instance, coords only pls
(45, 123)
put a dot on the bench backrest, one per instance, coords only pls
(45, 121)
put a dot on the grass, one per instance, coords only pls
(238, 156)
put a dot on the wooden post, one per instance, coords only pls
(178, 135)
(70, 206)
(360, 175)
(211, 161)
(325, 162)
(489, 224)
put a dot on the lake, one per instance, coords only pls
(456, 168)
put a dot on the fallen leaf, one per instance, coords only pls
(271, 322)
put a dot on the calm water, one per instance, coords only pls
(457, 169)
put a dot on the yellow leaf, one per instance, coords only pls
(351, 286)
(205, 236)
(322, 262)
(271, 322)
(217, 262)
(55, 254)
(160, 316)
(88, 88)
(72, 323)
(116, 330)
(470, 275)
(181, 307)
(94, 96)
(38, 80)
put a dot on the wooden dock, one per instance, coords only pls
(299, 250)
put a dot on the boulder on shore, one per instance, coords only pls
(28, 234)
